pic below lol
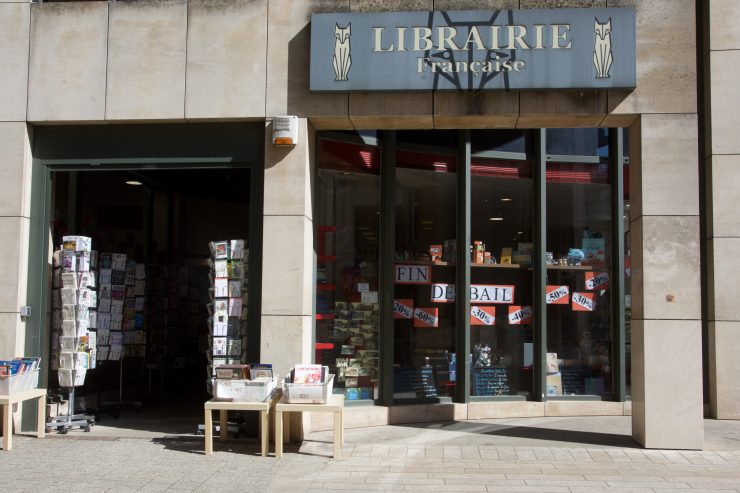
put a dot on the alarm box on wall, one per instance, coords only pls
(285, 130)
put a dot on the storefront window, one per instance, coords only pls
(501, 335)
(424, 308)
(579, 341)
(347, 233)
(577, 321)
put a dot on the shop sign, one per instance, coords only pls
(583, 302)
(443, 293)
(479, 293)
(520, 315)
(596, 280)
(482, 315)
(426, 317)
(490, 293)
(403, 309)
(413, 274)
(557, 295)
(474, 50)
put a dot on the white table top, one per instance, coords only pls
(335, 403)
(243, 406)
(21, 396)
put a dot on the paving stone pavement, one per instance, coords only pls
(433, 457)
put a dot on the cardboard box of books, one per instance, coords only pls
(308, 384)
(238, 390)
(18, 375)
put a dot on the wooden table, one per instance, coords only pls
(7, 402)
(263, 407)
(334, 405)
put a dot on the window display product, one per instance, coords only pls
(74, 303)
(227, 309)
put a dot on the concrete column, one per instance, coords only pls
(722, 161)
(667, 398)
(287, 258)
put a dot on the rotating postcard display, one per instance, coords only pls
(74, 319)
(228, 310)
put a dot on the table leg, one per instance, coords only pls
(341, 428)
(278, 434)
(264, 431)
(41, 418)
(286, 427)
(7, 426)
(224, 422)
(337, 434)
(209, 432)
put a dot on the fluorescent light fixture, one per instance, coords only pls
(134, 182)
(506, 199)
(495, 218)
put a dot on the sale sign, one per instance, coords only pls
(426, 317)
(520, 315)
(443, 293)
(583, 302)
(403, 309)
(482, 315)
(413, 274)
(596, 281)
(557, 295)
(491, 293)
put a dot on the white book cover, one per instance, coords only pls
(83, 262)
(69, 296)
(69, 312)
(237, 249)
(220, 329)
(221, 287)
(103, 337)
(221, 268)
(69, 280)
(116, 306)
(219, 346)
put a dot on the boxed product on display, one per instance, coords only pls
(308, 384)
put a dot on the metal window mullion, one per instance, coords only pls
(387, 257)
(616, 156)
(462, 274)
(538, 264)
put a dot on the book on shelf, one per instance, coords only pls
(307, 374)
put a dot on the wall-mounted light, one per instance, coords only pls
(285, 131)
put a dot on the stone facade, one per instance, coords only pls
(183, 60)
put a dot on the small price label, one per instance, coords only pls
(482, 315)
(403, 309)
(596, 280)
(520, 315)
(583, 302)
(557, 295)
(426, 317)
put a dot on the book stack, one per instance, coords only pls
(228, 308)
(74, 302)
(112, 281)
(133, 326)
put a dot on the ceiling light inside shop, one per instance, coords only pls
(506, 199)
(346, 173)
(134, 182)
(427, 222)
(496, 218)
